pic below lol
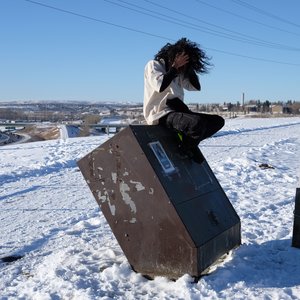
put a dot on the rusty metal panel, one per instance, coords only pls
(137, 208)
(168, 213)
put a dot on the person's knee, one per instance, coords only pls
(221, 122)
(197, 128)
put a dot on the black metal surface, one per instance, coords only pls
(296, 228)
(192, 187)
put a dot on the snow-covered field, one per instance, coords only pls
(50, 218)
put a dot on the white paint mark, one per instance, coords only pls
(124, 188)
(114, 177)
(132, 221)
(105, 198)
(138, 185)
(151, 191)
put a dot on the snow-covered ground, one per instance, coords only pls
(50, 218)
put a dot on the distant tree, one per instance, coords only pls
(266, 106)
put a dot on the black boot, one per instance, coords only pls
(189, 147)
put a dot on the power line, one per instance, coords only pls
(147, 33)
(253, 58)
(265, 13)
(246, 19)
(237, 36)
(240, 38)
(96, 19)
(189, 25)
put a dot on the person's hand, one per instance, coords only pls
(181, 59)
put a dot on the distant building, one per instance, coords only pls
(276, 109)
(251, 108)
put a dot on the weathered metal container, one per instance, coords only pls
(296, 229)
(169, 214)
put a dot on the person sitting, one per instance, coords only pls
(173, 69)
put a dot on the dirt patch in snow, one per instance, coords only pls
(41, 132)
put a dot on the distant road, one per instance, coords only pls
(3, 138)
(10, 138)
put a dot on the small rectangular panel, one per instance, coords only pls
(207, 216)
(162, 157)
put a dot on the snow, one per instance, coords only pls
(50, 218)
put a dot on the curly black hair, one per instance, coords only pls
(198, 59)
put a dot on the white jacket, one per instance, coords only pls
(155, 102)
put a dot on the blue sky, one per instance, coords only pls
(96, 50)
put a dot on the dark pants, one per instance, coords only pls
(195, 126)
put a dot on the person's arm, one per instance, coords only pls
(180, 60)
(167, 78)
(193, 79)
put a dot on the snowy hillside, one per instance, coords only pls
(49, 217)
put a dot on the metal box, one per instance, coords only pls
(296, 228)
(169, 214)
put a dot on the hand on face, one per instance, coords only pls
(181, 59)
